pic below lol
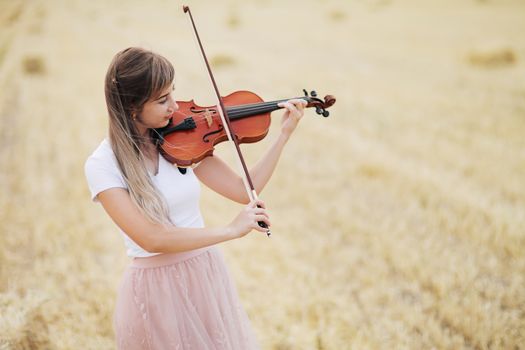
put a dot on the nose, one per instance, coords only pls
(173, 106)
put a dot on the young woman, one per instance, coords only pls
(177, 293)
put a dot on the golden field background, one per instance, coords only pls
(398, 222)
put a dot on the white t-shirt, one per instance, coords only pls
(182, 191)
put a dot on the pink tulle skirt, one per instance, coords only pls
(181, 301)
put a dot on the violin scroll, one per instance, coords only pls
(320, 105)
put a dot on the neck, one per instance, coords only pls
(142, 130)
(145, 142)
(247, 110)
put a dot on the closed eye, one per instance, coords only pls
(164, 98)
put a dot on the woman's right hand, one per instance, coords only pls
(248, 219)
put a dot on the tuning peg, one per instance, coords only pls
(313, 93)
(318, 110)
(305, 92)
(326, 113)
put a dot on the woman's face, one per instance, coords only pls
(157, 112)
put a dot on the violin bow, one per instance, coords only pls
(248, 184)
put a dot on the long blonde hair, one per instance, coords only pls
(134, 76)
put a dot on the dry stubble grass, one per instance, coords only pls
(398, 222)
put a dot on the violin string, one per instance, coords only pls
(235, 112)
(255, 108)
(269, 103)
(239, 112)
(260, 104)
(201, 120)
(250, 111)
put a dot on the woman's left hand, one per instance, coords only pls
(293, 114)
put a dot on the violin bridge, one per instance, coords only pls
(208, 116)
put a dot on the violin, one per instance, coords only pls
(193, 130)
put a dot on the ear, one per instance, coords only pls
(134, 112)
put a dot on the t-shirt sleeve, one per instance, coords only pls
(102, 174)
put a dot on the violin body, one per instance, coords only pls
(193, 142)
(194, 130)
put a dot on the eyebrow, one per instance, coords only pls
(161, 97)
(166, 94)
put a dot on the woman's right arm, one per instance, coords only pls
(158, 238)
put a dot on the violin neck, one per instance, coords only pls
(249, 110)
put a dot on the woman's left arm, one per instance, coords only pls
(218, 176)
